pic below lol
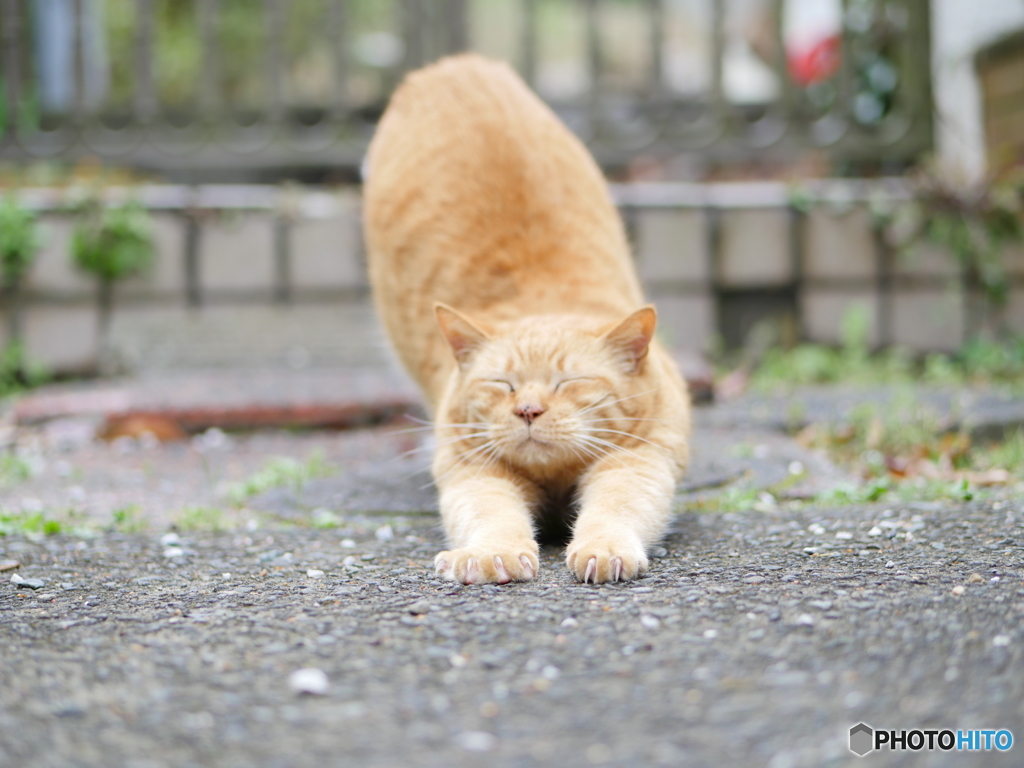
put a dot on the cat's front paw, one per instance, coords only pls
(480, 565)
(600, 560)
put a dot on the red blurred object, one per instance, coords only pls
(815, 63)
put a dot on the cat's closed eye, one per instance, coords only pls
(501, 383)
(573, 380)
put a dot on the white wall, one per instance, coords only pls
(959, 29)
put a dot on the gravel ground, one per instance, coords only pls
(758, 638)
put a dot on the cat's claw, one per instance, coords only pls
(527, 567)
(472, 566)
(598, 561)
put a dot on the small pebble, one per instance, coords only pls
(844, 535)
(658, 552)
(315, 573)
(805, 620)
(569, 623)
(384, 533)
(29, 583)
(174, 552)
(419, 607)
(170, 539)
(710, 634)
(309, 680)
(959, 590)
(650, 622)
(457, 660)
(1001, 641)
(476, 741)
(347, 543)
(551, 672)
(9, 565)
(975, 578)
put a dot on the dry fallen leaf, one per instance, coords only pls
(988, 477)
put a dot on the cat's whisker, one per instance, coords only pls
(462, 460)
(433, 446)
(459, 438)
(623, 418)
(430, 425)
(613, 402)
(413, 429)
(595, 453)
(581, 456)
(492, 456)
(415, 472)
(410, 417)
(614, 447)
(597, 402)
(627, 434)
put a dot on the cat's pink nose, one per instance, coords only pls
(529, 412)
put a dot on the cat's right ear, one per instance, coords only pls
(462, 334)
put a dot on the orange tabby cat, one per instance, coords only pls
(501, 271)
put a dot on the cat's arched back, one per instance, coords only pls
(478, 197)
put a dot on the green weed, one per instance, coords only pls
(280, 472)
(129, 519)
(1008, 455)
(36, 525)
(27, 523)
(13, 469)
(325, 518)
(195, 518)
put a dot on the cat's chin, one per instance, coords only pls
(533, 452)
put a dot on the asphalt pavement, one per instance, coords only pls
(315, 633)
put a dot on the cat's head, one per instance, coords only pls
(547, 390)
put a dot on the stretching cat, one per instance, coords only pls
(501, 271)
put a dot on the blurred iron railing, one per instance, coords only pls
(222, 85)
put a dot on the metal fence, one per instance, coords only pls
(222, 85)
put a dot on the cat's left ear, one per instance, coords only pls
(632, 337)
(462, 334)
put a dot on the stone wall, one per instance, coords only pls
(263, 275)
